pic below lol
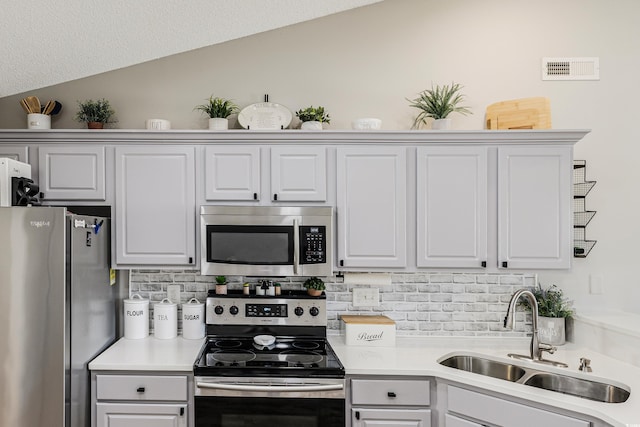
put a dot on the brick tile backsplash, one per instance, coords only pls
(433, 304)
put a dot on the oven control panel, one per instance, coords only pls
(221, 310)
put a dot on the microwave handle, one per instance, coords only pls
(296, 247)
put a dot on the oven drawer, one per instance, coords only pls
(141, 387)
(390, 392)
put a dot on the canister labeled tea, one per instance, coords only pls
(193, 320)
(165, 319)
(136, 317)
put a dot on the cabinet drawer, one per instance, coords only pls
(390, 392)
(503, 412)
(141, 387)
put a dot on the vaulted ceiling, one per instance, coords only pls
(46, 42)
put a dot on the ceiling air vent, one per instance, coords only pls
(570, 69)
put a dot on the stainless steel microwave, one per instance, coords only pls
(266, 240)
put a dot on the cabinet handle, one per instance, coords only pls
(190, 260)
(255, 196)
(357, 415)
(505, 264)
(341, 263)
(181, 412)
(391, 394)
(275, 197)
(484, 264)
(140, 390)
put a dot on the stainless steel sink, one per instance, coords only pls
(488, 367)
(593, 390)
(596, 389)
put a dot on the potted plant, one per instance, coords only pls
(314, 286)
(95, 113)
(437, 103)
(553, 310)
(218, 110)
(312, 118)
(221, 285)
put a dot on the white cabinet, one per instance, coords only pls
(299, 174)
(453, 421)
(232, 172)
(140, 400)
(534, 207)
(371, 206)
(155, 206)
(72, 173)
(15, 152)
(451, 203)
(391, 417)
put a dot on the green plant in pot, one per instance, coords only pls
(218, 110)
(312, 118)
(553, 310)
(95, 113)
(437, 103)
(221, 285)
(314, 286)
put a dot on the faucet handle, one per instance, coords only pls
(547, 347)
(585, 365)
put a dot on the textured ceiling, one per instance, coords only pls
(54, 41)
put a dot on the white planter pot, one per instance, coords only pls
(441, 124)
(311, 126)
(218, 123)
(551, 330)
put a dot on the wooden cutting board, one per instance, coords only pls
(367, 320)
(524, 113)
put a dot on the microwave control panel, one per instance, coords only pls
(313, 242)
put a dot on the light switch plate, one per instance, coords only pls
(173, 293)
(366, 297)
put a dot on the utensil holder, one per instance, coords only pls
(38, 121)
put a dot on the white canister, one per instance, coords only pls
(136, 317)
(38, 121)
(193, 320)
(165, 319)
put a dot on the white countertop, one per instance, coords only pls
(419, 356)
(149, 354)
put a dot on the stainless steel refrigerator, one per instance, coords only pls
(57, 312)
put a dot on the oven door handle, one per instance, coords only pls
(296, 247)
(263, 388)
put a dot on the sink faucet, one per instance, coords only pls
(536, 347)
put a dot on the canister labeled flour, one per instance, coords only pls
(136, 317)
(193, 320)
(165, 319)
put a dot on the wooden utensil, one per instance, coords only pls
(25, 106)
(49, 106)
(34, 104)
(56, 109)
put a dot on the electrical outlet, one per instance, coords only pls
(595, 284)
(369, 297)
(173, 293)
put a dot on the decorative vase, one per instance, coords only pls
(95, 125)
(221, 289)
(314, 292)
(551, 330)
(312, 125)
(441, 124)
(218, 123)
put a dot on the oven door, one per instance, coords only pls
(283, 402)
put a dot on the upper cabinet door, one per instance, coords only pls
(232, 172)
(371, 206)
(155, 206)
(298, 174)
(451, 207)
(534, 207)
(72, 173)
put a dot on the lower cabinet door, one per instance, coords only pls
(390, 417)
(141, 415)
(453, 421)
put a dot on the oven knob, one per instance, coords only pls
(314, 311)
(298, 311)
(233, 310)
(218, 310)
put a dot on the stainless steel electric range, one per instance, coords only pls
(267, 361)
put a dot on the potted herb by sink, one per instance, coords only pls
(95, 113)
(312, 118)
(314, 286)
(553, 311)
(437, 103)
(218, 110)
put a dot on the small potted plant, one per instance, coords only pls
(312, 118)
(221, 285)
(95, 113)
(314, 286)
(437, 103)
(553, 310)
(218, 110)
